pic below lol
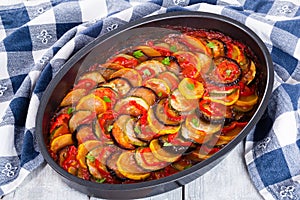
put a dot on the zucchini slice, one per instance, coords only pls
(197, 130)
(161, 154)
(143, 131)
(154, 65)
(134, 106)
(158, 127)
(145, 159)
(224, 98)
(84, 149)
(236, 53)
(217, 46)
(170, 78)
(93, 75)
(121, 85)
(195, 44)
(61, 142)
(199, 137)
(100, 133)
(93, 103)
(107, 69)
(128, 167)
(145, 93)
(73, 97)
(249, 73)
(161, 115)
(132, 75)
(130, 134)
(112, 165)
(96, 161)
(84, 133)
(119, 132)
(159, 86)
(191, 89)
(247, 101)
(80, 117)
(149, 51)
(195, 124)
(180, 103)
(58, 131)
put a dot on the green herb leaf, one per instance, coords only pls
(146, 72)
(102, 180)
(228, 72)
(106, 99)
(70, 110)
(173, 48)
(90, 157)
(160, 94)
(109, 128)
(167, 144)
(190, 86)
(195, 122)
(166, 61)
(210, 45)
(137, 130)
(138, 54)
(188, 166)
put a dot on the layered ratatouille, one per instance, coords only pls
(154, 109)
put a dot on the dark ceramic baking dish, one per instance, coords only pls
(104, 46)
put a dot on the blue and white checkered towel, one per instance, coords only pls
(36, 39)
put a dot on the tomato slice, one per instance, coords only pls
(172, 114)
(227, 70)
(59, 120)
(107, 94)
(189, 64)
(233, 125)
(86, 84)
(125, 60)
(105, 121)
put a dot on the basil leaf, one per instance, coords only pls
(146, 72)
(173, 48)
(210, 45)
(190, 86)
(70, 110)
(138, 54)
(137, 130)
(106, 99)
(90, 158)
(109, 128)
(167, 144)
(195, 122)
(102, 180)
(166, 61)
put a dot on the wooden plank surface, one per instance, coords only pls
(229, 180)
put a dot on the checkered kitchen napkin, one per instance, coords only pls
(37, 37)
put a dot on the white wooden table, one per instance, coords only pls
(229, 180)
